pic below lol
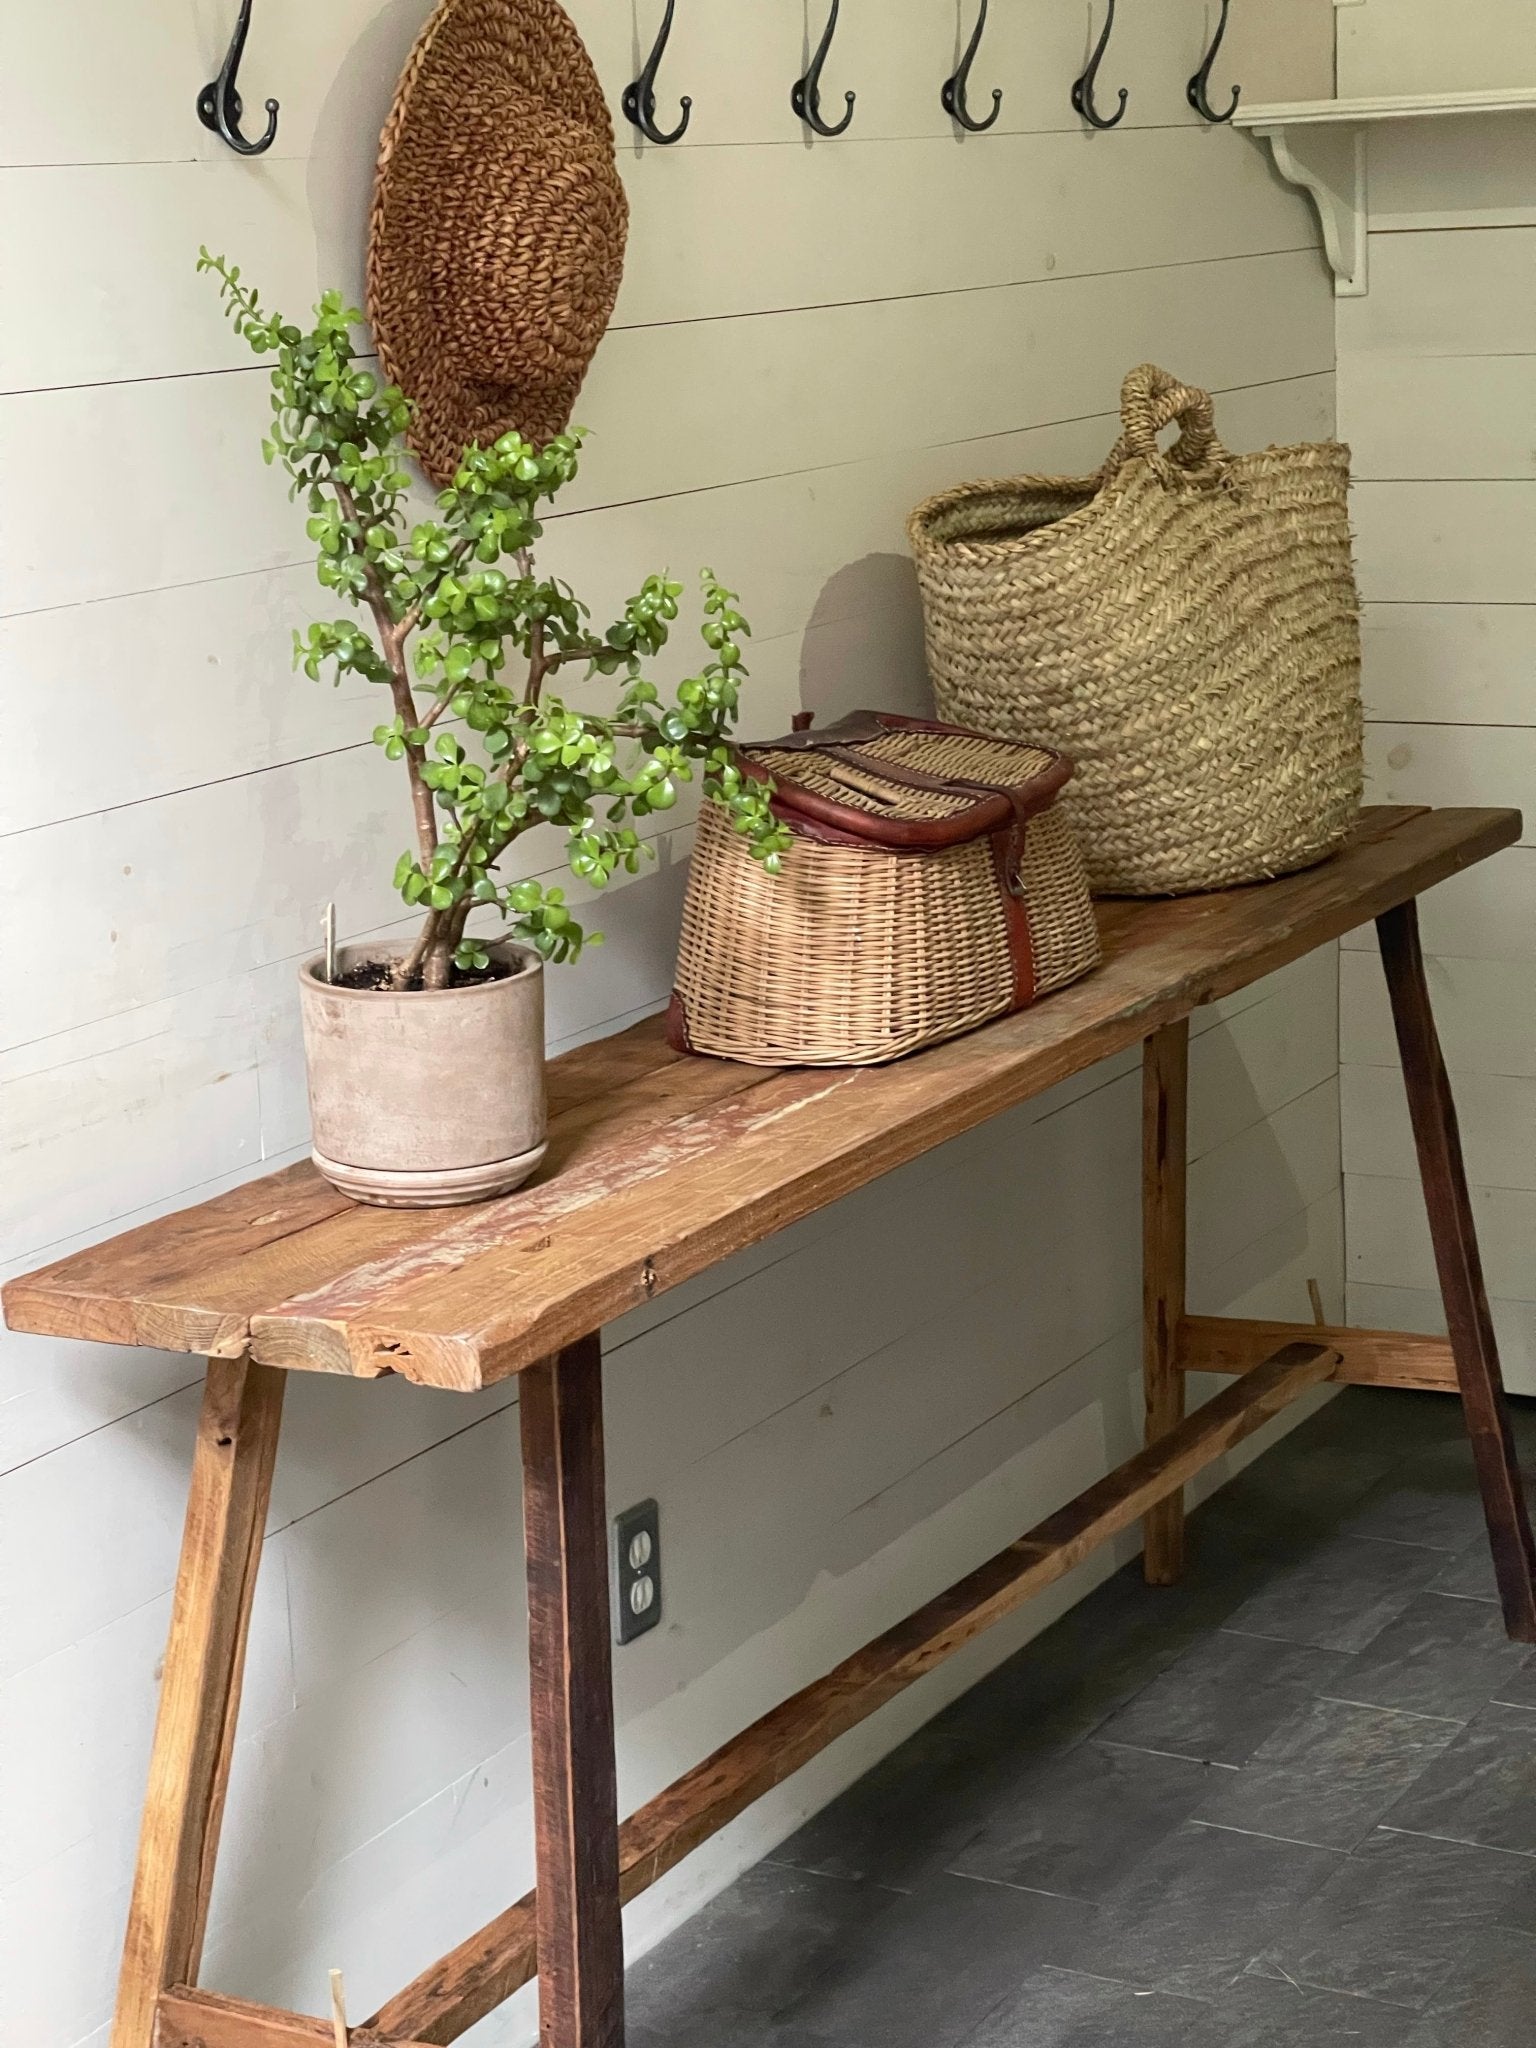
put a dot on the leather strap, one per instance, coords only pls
(677, 1024)
(1007, 849)
(818, 818)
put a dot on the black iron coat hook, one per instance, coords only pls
(1199, 85)
(219, 105)
(639, 100)
(954, 91)
(1083, 91)
(805, 93)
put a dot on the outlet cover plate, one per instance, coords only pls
(636, 1570)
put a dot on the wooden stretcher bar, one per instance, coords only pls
(1367, 1358)
(449, 1998)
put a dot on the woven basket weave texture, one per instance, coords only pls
(496, 239)
(1183, 624)
(856, 954)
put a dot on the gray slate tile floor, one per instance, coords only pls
(1288, 1804)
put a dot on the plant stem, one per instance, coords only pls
(407, 970)
(393, 634)
(538, 664)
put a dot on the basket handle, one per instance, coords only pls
(1150, 400)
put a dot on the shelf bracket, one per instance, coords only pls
(1329, 164)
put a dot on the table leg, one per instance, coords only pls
(200, 1690)
(580, 1938)
(1164, 1114)
(1460, 1269)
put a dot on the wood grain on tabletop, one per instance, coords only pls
(659, 1167)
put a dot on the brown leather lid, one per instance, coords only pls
(870, 779)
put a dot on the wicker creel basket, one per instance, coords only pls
(1184, 625)
(930, 885)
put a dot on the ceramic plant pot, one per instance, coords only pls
(422, 1100)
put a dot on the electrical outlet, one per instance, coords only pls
(637, 1570)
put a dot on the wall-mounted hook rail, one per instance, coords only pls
(805, 94)
(219, 106)
(1084, 89)
(955, 89)
(1200, 84)
(639, 101)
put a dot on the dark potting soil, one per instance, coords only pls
(374, 974)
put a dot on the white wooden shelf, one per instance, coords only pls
(1320, 145)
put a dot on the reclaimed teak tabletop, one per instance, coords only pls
(659, 1166)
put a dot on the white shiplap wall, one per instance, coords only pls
(1423, 46)
(1437, 395)
(810, 339)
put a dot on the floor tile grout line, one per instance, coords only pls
(1034, 1891)
(1176, 1756)
(1457, 1841)
(1408, 1713)
(1412, 2012)
(1250, 1635)
(1258, 1835)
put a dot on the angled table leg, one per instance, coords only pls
(1460, 1270)
(200, 1691)
(1164, 1118)
(575, 1796)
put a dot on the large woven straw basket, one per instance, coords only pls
(1184, 625)
(930, 885)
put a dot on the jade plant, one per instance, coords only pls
(489, 750)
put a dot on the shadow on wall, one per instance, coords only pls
(863, 647)
(340, 182)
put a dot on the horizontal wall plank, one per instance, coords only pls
(1439, 417)
(1256, 1062)
(1251, 1184)
(173, 1102)
(190, 684)
(1453, 764)
(1388, 1236)
(143, 923)
(1486, 913)
(110, 248)
(801, 397)
(1457, 543)
(1467, 172)
(1422, 48)
(1450, 664)
(1423, 284)
(1484, 1009)
(203, 683)
(1497, 1113)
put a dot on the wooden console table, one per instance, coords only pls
(659, 1166)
